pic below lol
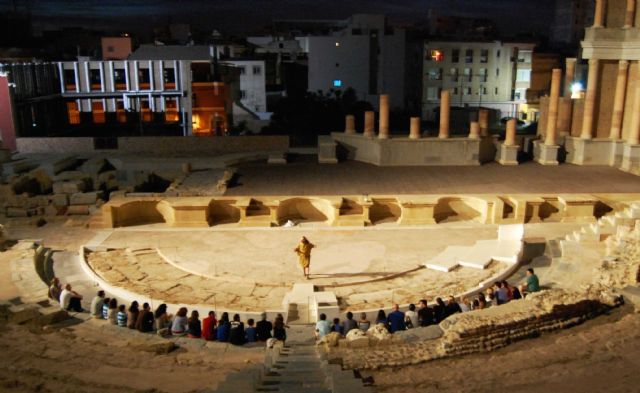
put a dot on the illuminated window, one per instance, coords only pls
(435, 55)
(467, 75)
(337, 83)
(454, 74)
(484, 55)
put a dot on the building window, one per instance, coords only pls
(257, 70)
(455, 55)
(432, 93)
(454, 74)
(281, 45)
(523, 76)
(243, 70)
(243, 94)
(467, 75)
(455, 91)
(467, 91)
(483, 90)
(435, 74)
(484, 74)
(337, 83)
(484, 55)
(497, 71)
(468, 56)
(496, 91)
(435, 55)
(498, 54)
(110, 49)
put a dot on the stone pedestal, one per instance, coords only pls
(326, 150)
(545, 154)
(588, 151)
(508, 154)
(617, 150)
(474, 130)
(631, 159)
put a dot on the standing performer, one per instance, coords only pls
(304, 254)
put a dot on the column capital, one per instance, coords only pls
(623, 64)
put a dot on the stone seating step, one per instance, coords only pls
(448, 259)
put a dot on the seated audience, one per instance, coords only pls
(105, 308)
(179, 324)
(236, 331)
(112, 313)
(396, 320)
(349, 324)
(122, 316)
(476, 304)
(250, 332)
(425, 314)
(336, 326)
(465, 306)
(96, 305)
(452, 306)
(531, 283)
(145, 320)
(482, 301)
(490, 297)
(70, 299)
(263, 328)
(162, 320)
(279, 329)
(132, 315)
(322, 327)
(209, 327)
(55, 289)
(501, 293)
(439, 311)
(195, 331)
(363, 323)
(222, 333)
(381, 319)
(411, 317)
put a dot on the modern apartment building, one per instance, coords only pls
(492, 74)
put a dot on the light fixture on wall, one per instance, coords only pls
(576, 90)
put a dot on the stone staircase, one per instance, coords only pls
(97, 220)
(296, 367)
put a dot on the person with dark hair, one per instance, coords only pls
(501, 293)
(55, 289)
(96, 305)
(452, 306)
(179, 323)
(236, 331)
(112, 314)
(363, 323)
(70, 300)
(223, 328)
(531, 283)
(250, 332)
(105, 308)
(162, 320)
(304, 255)
(209, 327)
(411, 317)
(145, 320)
(195, 331)
(425, 314)
(322, 327)
(336, 327)
(381, 319)
(132, 314)
(263, 328)
(279, 332)
(396, 320)
(349, 324)
(439, 311)
(122, 316)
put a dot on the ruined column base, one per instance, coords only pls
(326, 150)
(544, 154)
(631, 159)
(508, 155)
(617, 151)
(597, 151)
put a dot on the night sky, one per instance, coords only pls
(246, 16)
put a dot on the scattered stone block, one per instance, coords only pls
(69, 187)
(59, 200)
(78, 210)
(16, 212)
(83, 198)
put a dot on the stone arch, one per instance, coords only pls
(223, 212)
(384, 211)
(305, 209)
(451, 209)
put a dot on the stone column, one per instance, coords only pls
(510, 135)
(369, 120)
(634, 132)
(590, 100)
(383, 132)
(414, 128)
(598, 19)
(350, 125)
(570, 75)
(618, 102)
(445, 102)
(483, 121)
(630, 14)
(554, 100)
(474, 130)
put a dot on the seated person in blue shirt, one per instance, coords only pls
(396, 320)
(250, 332)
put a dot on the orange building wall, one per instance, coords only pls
(116, 48)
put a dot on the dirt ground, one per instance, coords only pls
(601, 355)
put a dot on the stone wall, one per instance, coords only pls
(159, 145)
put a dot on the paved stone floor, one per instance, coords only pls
(308, 178)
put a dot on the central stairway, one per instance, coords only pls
(296, 367)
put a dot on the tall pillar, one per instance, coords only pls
(510, 135)
(445, 103)
(350, 125)
(554, 100)
(369, 120)
(634, 132)
(629, 16)
(383, 132)
(598, 19)
(590, 99)
(414, 128)
(570, 75)
(618, 102)
(474, 130)
(483, 120)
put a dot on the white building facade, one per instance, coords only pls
(493, 75)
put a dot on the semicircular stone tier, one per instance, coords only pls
(145, 272)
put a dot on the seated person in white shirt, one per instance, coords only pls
(70, 299)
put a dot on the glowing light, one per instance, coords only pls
(576, 90)
(337, 83)
(337, 44)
